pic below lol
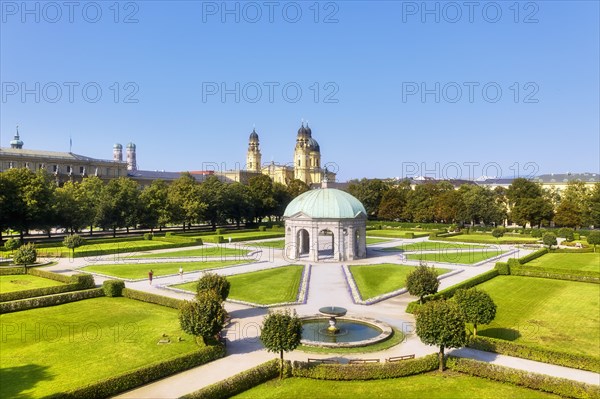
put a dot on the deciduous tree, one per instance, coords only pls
(476, 306)
(422, 281)
(281, 332)
(441, 323)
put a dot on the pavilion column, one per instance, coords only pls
(314, 247)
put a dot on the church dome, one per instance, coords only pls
(308, 130)
(117, 146)
(131, 145)
(326, 203)
(302, 131)
(253, 135)
(312, 143)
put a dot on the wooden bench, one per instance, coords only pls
(399, 358)
(326, 361)
(363, 361)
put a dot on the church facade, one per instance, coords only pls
(306, 165)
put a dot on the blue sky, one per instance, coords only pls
(404, 88)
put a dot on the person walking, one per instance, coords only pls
(181, 272)
(150, 274)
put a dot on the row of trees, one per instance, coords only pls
(522, 202)
(31, 200)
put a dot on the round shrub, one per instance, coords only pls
(213, 282)
(566, 233)
(537, 233)
(262, 228)
(11, 244)
(148, 236)
(113, 288)
(219, 231)
(25, 255)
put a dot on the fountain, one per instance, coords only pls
(343, 332)
(333, 312)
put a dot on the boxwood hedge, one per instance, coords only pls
(49, 300)
(144, 375)
(369, 371)
(559, 386)
(539, 354)
(152, 298)
(240, 382)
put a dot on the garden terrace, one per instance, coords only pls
(134, 271)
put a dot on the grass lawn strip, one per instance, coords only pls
(279, 244)
(373, 240)
(60, 348)
(567, 261)
(433, 246)
(22, 282)
(263, 287)
(489, 239)
(208, 252)
(108, 247)
(460, 257)
(391, 233)
(136, 271)
(432, 385)
(554, 314)
(375, 280)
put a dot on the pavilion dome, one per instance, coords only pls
(326, 203)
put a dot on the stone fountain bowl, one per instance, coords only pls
(335, 311)
(385, 332)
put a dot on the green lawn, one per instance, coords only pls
(140, 270)
(432, 246)
(104, 247)
(22, 282)
(205, 251)
(489, 239)
(568, 261)
(375, 280)
(555, 314)
(391, 233)
(245, 236)
(432, 385)
(280, 244)
(264, 287)
(463, 257)
(58, 348)
(373, 240)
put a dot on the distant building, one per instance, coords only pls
(64, 166)
(67, 166)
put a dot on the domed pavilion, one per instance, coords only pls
(325, 223)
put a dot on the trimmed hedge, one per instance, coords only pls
(503, 268)
(7, 271)
(540, 354)
(152, 298)
(49, 300)
(557, 274)
(240, 382)
(373, 371)
(449, 292)
(144, 375)
(75, 282)
(533, 255)
(113, 288)
(540, 382)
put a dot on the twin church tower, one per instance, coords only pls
(306, 165)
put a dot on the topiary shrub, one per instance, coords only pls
(215, 282)
(549, 239)
(262, 228)
(537, 233)
(113, 288)
(148, 236)
(11, 244)
(169, 234)
(25, 255)
(566, 233)
(219, 231)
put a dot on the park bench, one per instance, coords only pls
(363, 361)
(325, 361)
(399, 358)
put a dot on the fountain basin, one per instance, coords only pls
(352, 332)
